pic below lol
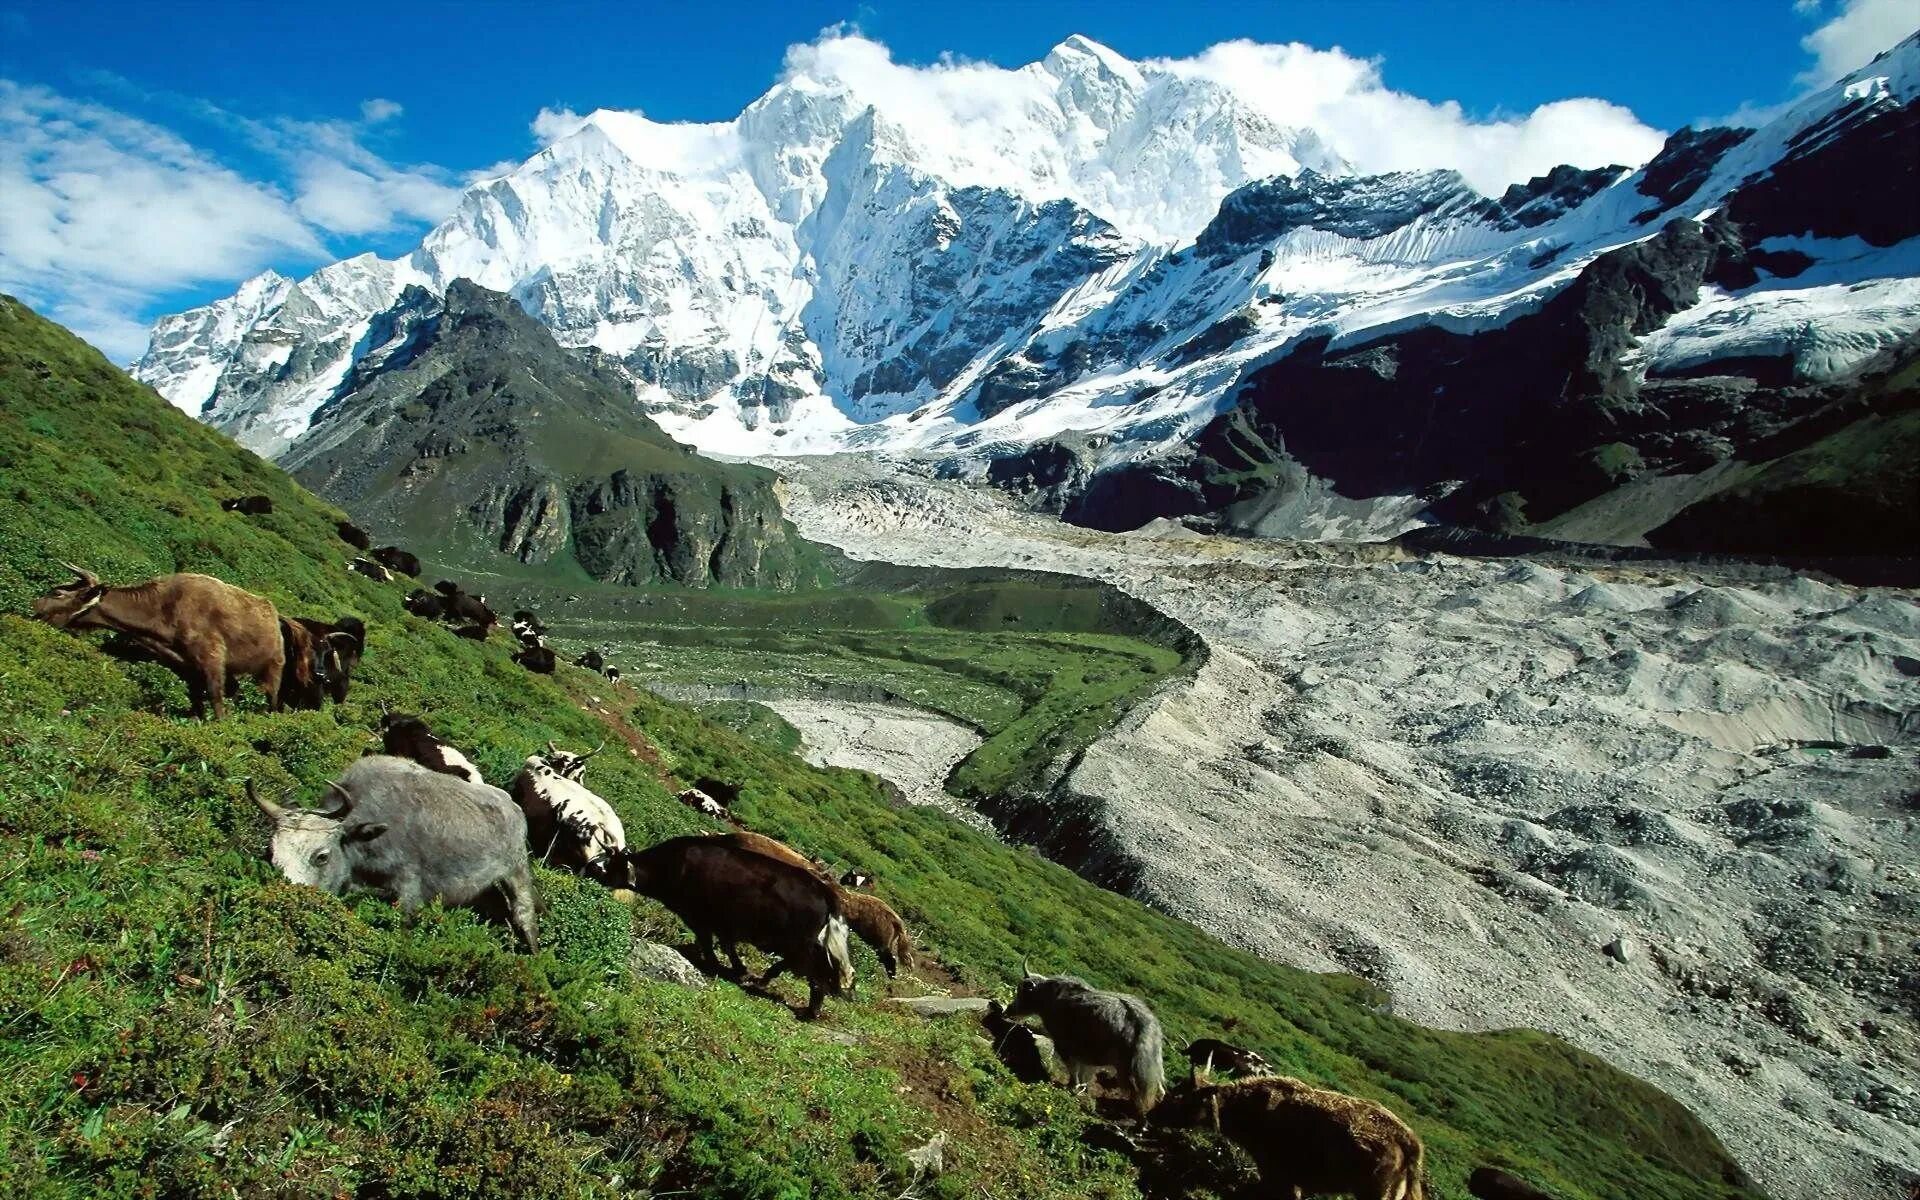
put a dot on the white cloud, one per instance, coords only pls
(1341, 97)
(505, 166)
(100, 210)
(1861, 29)
(551, 124)
(345, 199)
(1378, 129)
(340, 186)
(102, 213)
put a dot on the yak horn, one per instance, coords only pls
(346, 801)
(595, 750)
(82, 574)
(551, 748)
(266, 806)
(1024, 972)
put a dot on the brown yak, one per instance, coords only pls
(1307, 1141)
(205, 630)
(869, 917)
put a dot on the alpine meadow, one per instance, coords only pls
(1322, 606)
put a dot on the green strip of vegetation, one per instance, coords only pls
(1024, 660)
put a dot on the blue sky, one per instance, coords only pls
(151, 155)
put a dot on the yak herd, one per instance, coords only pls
(415, 823)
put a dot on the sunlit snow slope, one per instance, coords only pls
(1109, 247)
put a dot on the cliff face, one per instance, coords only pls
(1554, 425)
(474, 436)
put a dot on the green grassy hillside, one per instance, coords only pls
(176, 1021)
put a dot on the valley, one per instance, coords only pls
(177, 1015)
(1035, 666)
(1562, 795)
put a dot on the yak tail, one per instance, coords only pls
(1149, 1068)
(833, 940)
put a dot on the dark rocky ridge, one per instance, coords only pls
(1546, 421)
(475, 437)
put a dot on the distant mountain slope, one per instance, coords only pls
(475, 438)
(182, 1022)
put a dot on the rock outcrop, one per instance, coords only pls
(484, 441)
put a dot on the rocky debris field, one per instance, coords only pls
(911, 748)
(1671, 816)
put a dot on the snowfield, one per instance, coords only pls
(874, 260)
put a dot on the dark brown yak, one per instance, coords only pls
(869, 917)
(727, 894)
(1307, 1141)
(205, 630)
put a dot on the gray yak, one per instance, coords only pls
(203, 629)
(1092, 1029)
(410, 836)
(1306, 1141)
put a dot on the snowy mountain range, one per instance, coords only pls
(1107, 255)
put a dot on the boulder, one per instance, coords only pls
(942, 1006)
(651, 960)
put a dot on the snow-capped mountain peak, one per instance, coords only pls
(964, 260)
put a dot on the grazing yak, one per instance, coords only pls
(396, 559)
(464, 606)
(569, 826)
(538, 659)
(353, 535)
(612, 673)
(869, 917)
(592, 660)
(570, 765)
(729, 894)
(526, 617)
(203, 629)
(411, 836)
(423, 603)
(1207, 1053)
(1092, 1029)
(404, 735)
(701, 803)
(1305, 1140)
(1015, 1045)
(473, 633)
(854, 879)
(876, 924)
(320, 659)
(253, 506)
(371, 569)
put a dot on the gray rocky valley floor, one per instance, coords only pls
(1670, 816)
(912, 748)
